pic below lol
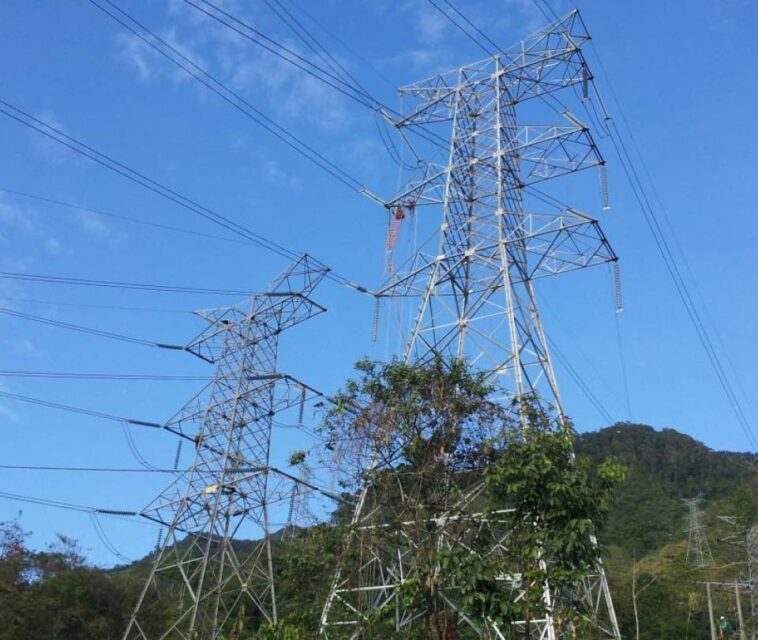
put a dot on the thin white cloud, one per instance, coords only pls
(53, 246)
(422, 62)
(277, 176)
(524, 16)
(6, 414)
(366, 156)
(151, 65)
(26, 347)
(271, 82)
(290, 91)
(431, 25)
(15, 215)
(47, 147)
(137, 54)
(93, 224)
(17, 263)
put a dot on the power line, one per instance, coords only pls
(116, 284)
(472, 25)
(544, 3)
(461, 27)
(310, 41)
(340, 41)
(211, 82)
(305, 65)
(670, 262)
(123, 419)
(100, 531)
(129, 470)
(100, 212)
(54, 133)
(622, 362)
(63, 375)
(49, 131)
(69, 506)
(89, 330)
(64, 469)
(680, 284)
(79, 410)
(87, 305)
(276, 48)
(583, 386)
(541, 9)
(667, 254)
(555, 317)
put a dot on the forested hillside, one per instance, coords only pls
(56, 594)
(649, 522)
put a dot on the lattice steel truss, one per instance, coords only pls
(698, 549)
(231, 487)
(476, 290)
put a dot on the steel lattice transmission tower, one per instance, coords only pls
(299, 513)
(698, 549)
(230, 489)
(499, 232)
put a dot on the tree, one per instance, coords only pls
(557, 506)
(418, 437)
(450, 472)
(55, 594)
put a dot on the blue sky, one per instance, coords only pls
(684, 74)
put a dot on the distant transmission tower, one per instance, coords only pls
(698, 549)
(229, 490)
(499, 232)
(299, 514)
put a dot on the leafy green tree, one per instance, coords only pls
(557, 504)
(432, 433)
(55, 594)
(425, 432)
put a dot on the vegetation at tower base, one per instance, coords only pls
(411, 441)
(55, 594)
(467, 508)
(559, 506)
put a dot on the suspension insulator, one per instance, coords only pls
(603, 173)
(585, 82)
(178, 453)
(617, 287)
(302, 407)
(375, 327)
(159, 541)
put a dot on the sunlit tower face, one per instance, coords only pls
(507, 136)
(489, 139)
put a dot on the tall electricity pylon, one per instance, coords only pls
(498, 233)
(299, 513)
(698, 549)
(231, 487)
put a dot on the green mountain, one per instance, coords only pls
(55, 594)
(646, 536)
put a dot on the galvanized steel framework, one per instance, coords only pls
(698, 549)
(231, 486)
(476, 293)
